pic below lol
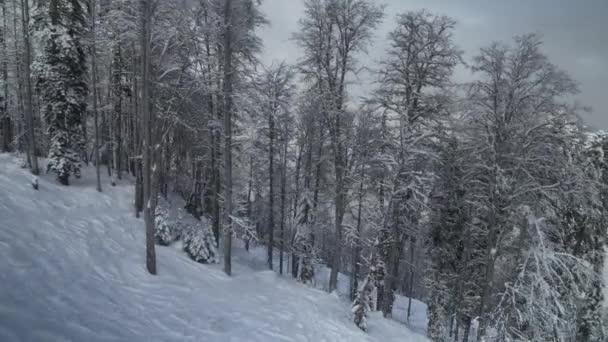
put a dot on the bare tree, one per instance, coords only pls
(331, 33)
(277, 91)
(412, 80)
(516, 124)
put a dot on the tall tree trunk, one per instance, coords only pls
(19, 77)
(297, 181)
(249, 203)
(148, 122)
(271, 187)
(117, 112)
(29, 115)
(339, 199)
(357, 247)
(5, 118)
(488, 281)
(94, 86)
(215, 169)
(139, 183)
(467, 330)
(227, 89)
(410, 291)
(283, 186)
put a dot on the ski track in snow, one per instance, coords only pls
(73, 270)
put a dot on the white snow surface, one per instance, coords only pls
(72, 269)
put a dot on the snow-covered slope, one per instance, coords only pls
(72, 269)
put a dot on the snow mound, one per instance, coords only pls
(72, 269)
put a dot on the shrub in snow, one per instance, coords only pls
(361, 304)
(198, 241)
(167, 230)
(174, 223)
(303, 249)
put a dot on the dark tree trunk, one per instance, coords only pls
(283, 186)
(410, 291)
(139, 188)
(467, 330)
(5, 118)
(29, 115)
(117, 112)
(227, 92)
(249, 203)
(94, 86)
(357, 247)
(148, 122)
(18, 72)
(271, 188)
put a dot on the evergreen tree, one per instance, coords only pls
(446, 239)
(61, 81)
(584, 217)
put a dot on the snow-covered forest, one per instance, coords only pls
(157, 140)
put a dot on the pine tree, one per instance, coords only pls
(61, 81)
(446, 240)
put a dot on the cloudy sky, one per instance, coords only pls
(575, 33)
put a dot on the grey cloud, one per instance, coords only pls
(575, 35)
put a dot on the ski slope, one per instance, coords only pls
(72, 269)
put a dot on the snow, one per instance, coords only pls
(73, 270)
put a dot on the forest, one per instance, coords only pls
(487, 200)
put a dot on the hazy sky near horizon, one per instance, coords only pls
(575, 35)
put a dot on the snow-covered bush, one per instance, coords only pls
(361, 304)
(541, 301)
(198, 241)
(366, 297)
(173, 223)
(167, 228)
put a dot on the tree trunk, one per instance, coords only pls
(18, 74)
(335, 264)
(249, 203)
(271, 187)
(467, 330)
(94, 81)
(117, 112)
(410, 290)
(488, 278)
(5, 118)
(139, 187)
(283, 186)
(148, 122)
(391, 276)
(339, 198)
(216, 186)
(357, 247)
(29, 115)
(297, 182)
(227, 89)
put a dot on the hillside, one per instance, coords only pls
(73, 270)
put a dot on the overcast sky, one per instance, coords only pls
(575, 33)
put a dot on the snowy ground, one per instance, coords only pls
(72, 269)
(256, 258)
